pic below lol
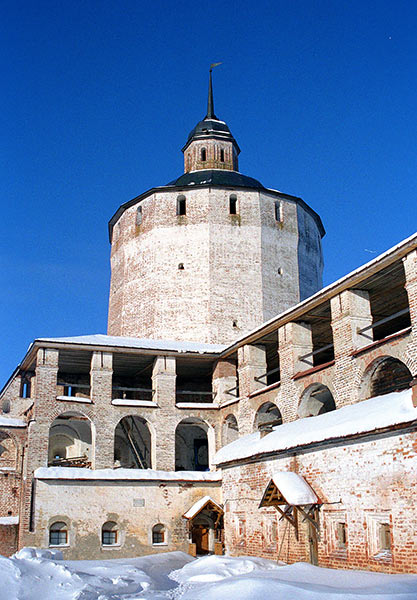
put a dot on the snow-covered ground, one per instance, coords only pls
(43, 575)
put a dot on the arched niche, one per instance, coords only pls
(133, 443)
(384, 375)
(267, 415)
(71, 441)
(316, 400)
(230, 430)
(192, 447)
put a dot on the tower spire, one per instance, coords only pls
(210, 102)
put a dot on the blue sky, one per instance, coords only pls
(99, 97)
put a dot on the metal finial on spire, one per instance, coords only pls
(210, 101)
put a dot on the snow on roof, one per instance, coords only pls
(124, 474)
(9, 520)
(10, 422)
(197, 506)
(294, 488)
(99, 339)
(366, 416)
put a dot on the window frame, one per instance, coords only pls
(62, 531)
(159, 531)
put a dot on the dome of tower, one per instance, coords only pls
(210, 127)
(216, 177)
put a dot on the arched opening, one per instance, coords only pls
(230, 430)
(191, 445)
(385, 375)
(132, 443)
(8, 451)
(70, 441)
(58, 534)
(158, 534)
(109, 534)
(203, 155)
(267, 415)
(316, 400)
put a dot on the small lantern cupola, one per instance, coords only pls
(210, 144)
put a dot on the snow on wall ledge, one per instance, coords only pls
(366, 416)
(9, 422)
(124, 474)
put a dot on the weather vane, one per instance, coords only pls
(214, 65)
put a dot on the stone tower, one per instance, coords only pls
(213, 254)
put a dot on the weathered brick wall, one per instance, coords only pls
(372, 479)
(239, 270)
(13, 441)
(8, 539)
(135, 506)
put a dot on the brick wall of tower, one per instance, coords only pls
(193, 159)
(236, 271)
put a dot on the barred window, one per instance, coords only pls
(58, 534)
(109, 534)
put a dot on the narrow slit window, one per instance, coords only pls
(222, 155)
(341, 535)
(203, 155)
(278, 211)
(233, 205)
(25, 388)
(181, 205)
(384, 536)
(139, 215)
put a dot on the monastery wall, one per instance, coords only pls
(361, 484)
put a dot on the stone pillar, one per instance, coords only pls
(44, 396)
(351, 312)
(163, 383)
(410, 270)
(251, 364)
(101, 377)
(294, 340)
(224, 378)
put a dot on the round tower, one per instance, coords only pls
(213, 254)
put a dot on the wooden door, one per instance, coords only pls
(200, 538)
